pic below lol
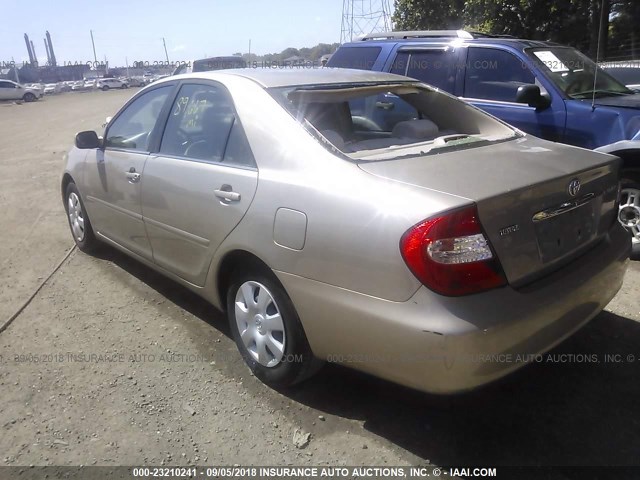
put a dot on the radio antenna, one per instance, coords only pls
(595, 75)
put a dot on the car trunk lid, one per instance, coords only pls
(522, 191)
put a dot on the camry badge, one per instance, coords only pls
(574, 187)
(509, 230)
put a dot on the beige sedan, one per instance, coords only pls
(354, 217)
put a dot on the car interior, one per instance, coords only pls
(356, 120)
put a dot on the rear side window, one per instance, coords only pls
(431, 67)
(238, 151)
(360, 58)
(199, 123)
(495, 74)
(203, 125)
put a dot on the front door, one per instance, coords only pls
(114, 174)
(491, 82)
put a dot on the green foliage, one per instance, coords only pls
(570, 22)
(428, 14)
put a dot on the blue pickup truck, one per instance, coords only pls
(545, 89)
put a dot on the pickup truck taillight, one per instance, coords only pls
(451, 255)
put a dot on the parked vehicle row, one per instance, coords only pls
(358, 217)
(10, 90)
(14, 91)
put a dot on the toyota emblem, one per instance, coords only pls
(574, 187)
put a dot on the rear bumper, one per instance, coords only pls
(445, 345)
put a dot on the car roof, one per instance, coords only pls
(291, 77)
(519, 43)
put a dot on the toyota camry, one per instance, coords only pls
(360, 218)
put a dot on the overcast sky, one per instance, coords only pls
(192, 29)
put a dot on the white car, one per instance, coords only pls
(36, 87)
(14, 91)
(108, 83)
(78, 86)
(50, 88)
(135, 81)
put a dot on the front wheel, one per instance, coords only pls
(267, 329)
(29, 97)
(79, 222)
(629, 212)
(105, 88)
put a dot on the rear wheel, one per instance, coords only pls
(79, 222)
(29, 97)
(629, 212)
(267, 329)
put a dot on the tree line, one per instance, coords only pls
(308, 53)
(569, 22)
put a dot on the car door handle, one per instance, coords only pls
(226, 194)
(132, 175)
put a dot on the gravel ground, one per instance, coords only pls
(169, 386)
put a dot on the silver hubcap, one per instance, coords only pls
(76, 218)
(260, 324)
(629, 213)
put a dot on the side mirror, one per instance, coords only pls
(530, 94)
(87, 139)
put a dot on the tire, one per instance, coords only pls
(286, 358)
(79, 223)
(29, 97)
(105, 88)
(629, 214)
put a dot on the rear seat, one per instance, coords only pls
(404, 133)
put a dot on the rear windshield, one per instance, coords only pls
(359, 58)
(392, 120)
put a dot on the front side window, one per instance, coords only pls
(203, 125)
(494, 74)
(131, 129)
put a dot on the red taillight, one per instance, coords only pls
(450, 254)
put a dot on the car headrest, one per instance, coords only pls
(418, 129)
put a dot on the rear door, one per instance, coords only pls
(434, 65)
(200, 184)
(113, 175)
(491, 81)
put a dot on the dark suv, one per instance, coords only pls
(548, 90)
